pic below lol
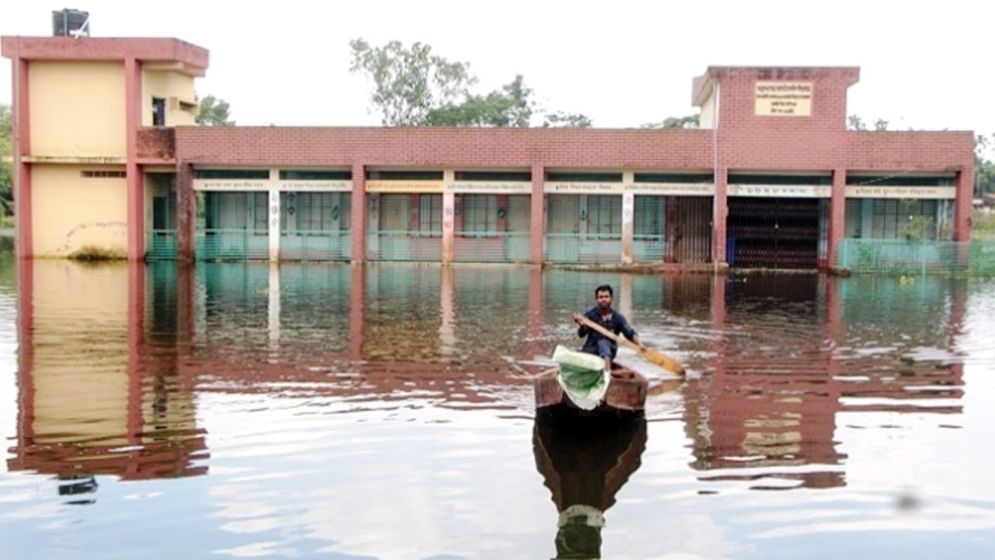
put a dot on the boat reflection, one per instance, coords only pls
(584, 469)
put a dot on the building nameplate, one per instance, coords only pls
(897, 191)
(671, 189)
(409, 187)
(781, 191)
(783, 99)
(231, 184)
(316, 186)
(561, 187)
(490, 187)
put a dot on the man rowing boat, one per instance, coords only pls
(611, 320)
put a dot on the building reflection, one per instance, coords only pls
(112, 356)
(98, 387)
(584, 469)
(367, 333)
(789, 357)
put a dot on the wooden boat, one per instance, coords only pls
(625, 398)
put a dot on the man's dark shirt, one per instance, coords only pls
(617, 323)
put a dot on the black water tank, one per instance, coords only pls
(66, 22)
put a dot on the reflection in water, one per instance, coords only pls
(113, 355)
(792, 354)
(122, 371)
(584, 468)
(99, 393)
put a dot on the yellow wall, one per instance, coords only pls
(80, 382)
(71, 212)
(706, 118)
(77, 109)
(172, 86)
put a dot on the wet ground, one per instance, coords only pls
(319, 410)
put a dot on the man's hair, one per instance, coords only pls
(604, 288)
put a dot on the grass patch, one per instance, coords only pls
(983, 226)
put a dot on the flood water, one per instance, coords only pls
(324, 410)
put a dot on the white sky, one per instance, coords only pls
(622, 63)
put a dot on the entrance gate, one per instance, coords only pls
(773, 232)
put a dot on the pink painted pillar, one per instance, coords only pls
(186, 213)
(23, 224)
(357, 214)
(720, 210)
(136, 186)
(537, 215)
(837, 216)
(448, 225)
(962, 205)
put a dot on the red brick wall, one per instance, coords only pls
(156, 143)
(436, 147)
(777, 146)
(928, 151)
(820, 141)
(748, 141)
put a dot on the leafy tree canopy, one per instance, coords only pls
(414, 87)
(688, 121)
(6, 173)
(214, 112)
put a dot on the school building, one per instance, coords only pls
(108, 161)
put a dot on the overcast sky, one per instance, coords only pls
(923, 64)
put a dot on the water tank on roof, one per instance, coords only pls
(70, 22)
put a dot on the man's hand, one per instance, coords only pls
(578, 318)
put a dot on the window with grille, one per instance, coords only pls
(480, 213)
(648, 216)
(430, 217)
(905, 218)
(237, 210)
(604, 215)
(563, 215)
(394, 215)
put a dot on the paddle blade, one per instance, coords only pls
(663, 360)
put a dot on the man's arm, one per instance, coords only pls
(582, 329)
(627, 329)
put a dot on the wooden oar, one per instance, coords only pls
(655, 356)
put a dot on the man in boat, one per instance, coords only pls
(611, 320)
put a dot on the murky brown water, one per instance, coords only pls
(386, 412)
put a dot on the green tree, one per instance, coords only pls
(855, 122)
(6, 171)
(688, 121)
(984, 168)
(509, 106)
(214, 112)
(409, 82)
(413, 87)
(561, 119)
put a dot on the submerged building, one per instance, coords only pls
(108, 161)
